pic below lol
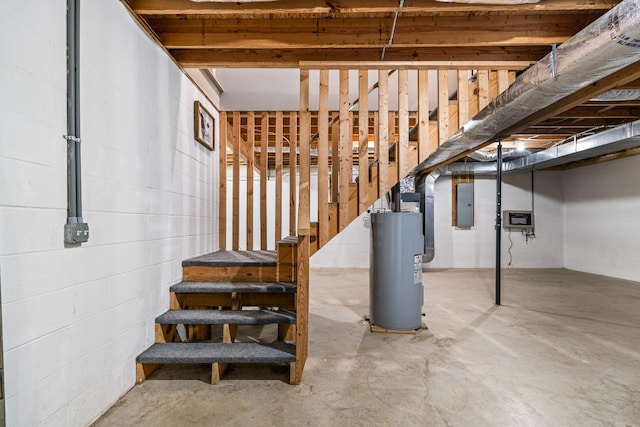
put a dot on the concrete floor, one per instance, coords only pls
(562, 350)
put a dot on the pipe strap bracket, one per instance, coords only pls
(72, 138)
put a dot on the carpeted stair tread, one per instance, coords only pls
(225, 287)
(221, 317)
(233, 259)
(277, 352)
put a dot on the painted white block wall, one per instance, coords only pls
(75, 318)
(474, 247)
(602, 212)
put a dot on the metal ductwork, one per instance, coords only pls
(492, 156)
(610, 141)
(426, 186)
(604, 47)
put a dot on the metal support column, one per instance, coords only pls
(498, 221)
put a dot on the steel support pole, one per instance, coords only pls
(498, 222)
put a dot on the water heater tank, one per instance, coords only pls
(395, 270)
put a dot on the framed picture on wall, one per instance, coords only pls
(204, 126)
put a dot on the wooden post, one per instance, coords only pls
(264, 172)
(463, 97)
(250, 165)
(503, 80)
(423, 115)
(383, 132)
(345, 152)
(293, 172)
(403, 123)
(335, 159)
(304, 226)
(443, 105)
(483, 89)
(363, 143)
(323, 159)
(235, 237)
(222, 177)
(278, 166)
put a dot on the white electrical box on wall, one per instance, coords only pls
(518, 220)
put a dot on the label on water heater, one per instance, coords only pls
(417, 269)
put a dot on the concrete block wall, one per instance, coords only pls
(74, 318)
(474, 247)
(602, 218)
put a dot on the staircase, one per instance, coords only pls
(230, 289)
(236, 288)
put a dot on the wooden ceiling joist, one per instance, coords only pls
(363, 8)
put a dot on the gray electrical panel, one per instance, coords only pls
(464, 205)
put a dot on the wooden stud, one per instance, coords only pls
(323, 158)
(383, 132)
(293, 171)
(222, 178)
(443, 105)
(305, 156)
(503, 80)
(264, 172)
(483, 89)
(345, 152)
(363, 136)
(463, 98)
(403, 123)
(423, 114)
(250, 167)
(278, 165)
(235, 237)
(392, 179)
(335, 158)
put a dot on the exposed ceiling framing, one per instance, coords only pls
(284, 33)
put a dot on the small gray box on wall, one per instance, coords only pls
(464, 205)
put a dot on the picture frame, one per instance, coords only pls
(203, 126)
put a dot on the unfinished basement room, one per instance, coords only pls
(322, 213)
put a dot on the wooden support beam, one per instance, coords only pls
(383, 132)
(512, 57)
(264, 174)
(144, 370)
(293, 172)
(447, 31)
(235, 236)
(443, 105)
(403, 123)
(323, 159)
(250, 167)
(345, 150)
(363, 136)
(278, 202)
(423, 114)
(368, 8)
(222, 184)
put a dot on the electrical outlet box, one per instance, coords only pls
(76, 232)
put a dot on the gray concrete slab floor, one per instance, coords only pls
(562, 350)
